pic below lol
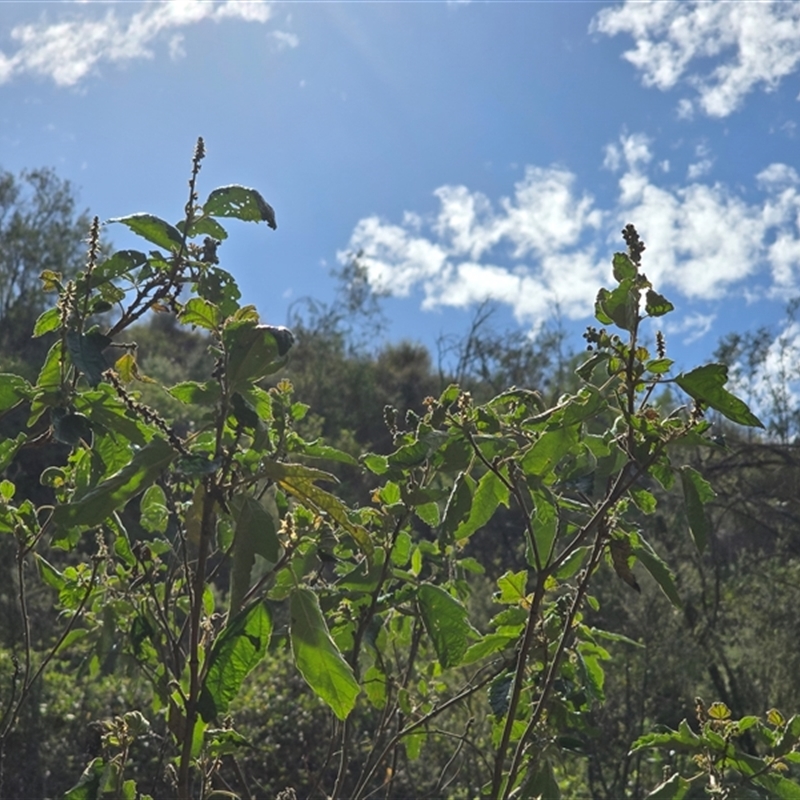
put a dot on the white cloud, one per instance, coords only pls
(284, 40)
(67, 51)
(692, 327)
(550, 243)
(750, 44)
(699, 168)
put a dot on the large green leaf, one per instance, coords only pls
(241, 203)
(254, 351)
(490, 493)
(254, 535)
(86, 352)
(317, 657)
(548, 450)
(696, 492)
(99, 503)
(239, 647)
(706, 384)
(153, 229)
(201, 313)
(459, 503)
(446, 622)
(88, 785)
(620, 306)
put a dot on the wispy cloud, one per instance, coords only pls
(750, 45)
(550, 242)
(67, 51)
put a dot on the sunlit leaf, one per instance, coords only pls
(86, 352)
(706, 384)
(317, 657)
(153, 229)
(446, 622)
(490, 492)
(241, 203)
(241, 645)
(697, 492)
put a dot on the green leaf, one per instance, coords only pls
(512, 586)
(540, 783)
(201, 313)
(657, 568)
(548, 450)
(706, 385)
(316, 449)
(446, 622)
(317, 657)
(620, 306)
(489, 644)
(659, 366)
(489, 493)
(241, 645)
(193, 393)
(459, 503)
(255, 534)
(206, 226)
(253, 351)
(377, 464)
(13, 389)
(153, 511)
(153, 229)
(122, 262)
(9, 449)
(88, 785)
(71, 428)
(240, 202)
(50, 320)
(696, 492)
(545, 526)
(624, 268)
(86, 352)
(99, 503)
(49, 574)
(674, 788)
(656, 305)
(586, 369)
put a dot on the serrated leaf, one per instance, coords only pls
(206, 226)
(201, 313)
(488, 645)
(317, 657)
(241, 203)
(586, 369)
(241, 645)
(656, 305)
(125, 367)
(459, 503)
(542, 457)
(706, 385)
(120, 263)
(696, 492)
(153, 229)
(512, 586)
(447, 624)
(193, 393)
(490, 492)
(620, 306)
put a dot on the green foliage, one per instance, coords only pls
(183, 539)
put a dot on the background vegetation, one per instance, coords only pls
(731, 639)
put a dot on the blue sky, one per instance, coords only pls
(472, 151)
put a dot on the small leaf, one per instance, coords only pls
(153, 511)
(193, 393)
(656, 305)
(241, 645)
(240, 202)
(446, 622)
(512, 587)
(696, 492)
(125, 367)
(658, 569)
(201, 313)
(624, 268)
(50, 320)
(317, 657)
(153, 229)
(706, 385)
